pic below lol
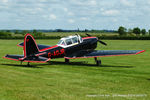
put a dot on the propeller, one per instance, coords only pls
(98, 40)
(102, 42)
(88, 35)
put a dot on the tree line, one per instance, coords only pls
(124, 33)
(8, 33)
(135, 31)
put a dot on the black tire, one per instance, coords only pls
(98, 62)
(66, 60)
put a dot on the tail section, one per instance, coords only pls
(31, 52)
(30, 46)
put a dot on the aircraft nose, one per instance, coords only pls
(95, 40)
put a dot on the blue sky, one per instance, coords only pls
(73, 14)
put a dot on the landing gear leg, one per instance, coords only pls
(28, 64)
(98, 62)
(66, 60)
(21, 62)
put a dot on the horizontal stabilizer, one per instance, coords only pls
(40, 46)
(14, 57)
(36, 59)
(27, 59)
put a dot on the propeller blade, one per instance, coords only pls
(88, 35)
(102, 42)
(97, 40)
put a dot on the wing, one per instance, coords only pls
(102, 53)
(40, 46)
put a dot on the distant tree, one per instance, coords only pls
(78, 30)
(86, 30)
(130, 31)
(8, 31)
(24, 32)
(37, 33)
(122, 30)
(3, 33)
(34, 31)
(59, 30)
(137, 31)
(16, 32)
(149, 32)
(143, 31)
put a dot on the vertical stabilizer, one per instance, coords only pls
(30, 46)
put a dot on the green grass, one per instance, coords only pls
(62, 34)
(75, 81)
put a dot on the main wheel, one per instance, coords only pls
(66, 60)
(98, 62)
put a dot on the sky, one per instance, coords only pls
(74, 14)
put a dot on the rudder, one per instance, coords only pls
(30, 46)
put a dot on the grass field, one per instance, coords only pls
(63, 34)
(118, 78)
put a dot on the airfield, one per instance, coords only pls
(118, 78)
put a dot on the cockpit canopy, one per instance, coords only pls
(70, 40)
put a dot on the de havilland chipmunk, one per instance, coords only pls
(71, 47)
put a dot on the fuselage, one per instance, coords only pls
(58, 51)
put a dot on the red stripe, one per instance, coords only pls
(49, 48)
(40, 54)
(10, 59)
(19, 45)
(25, 43)
(37, 61)
(28, 60)
(105, 56)
(140, 51)
(88, 37)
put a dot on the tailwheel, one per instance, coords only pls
(98, 62)
(66, 60)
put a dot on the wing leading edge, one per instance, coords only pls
(102, 53)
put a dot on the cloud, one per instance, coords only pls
(127, 3)
(4, 1)
(52, 16)
(84, 18)
(89, 13)
(71, 21)
(114, 20)
(111, 12)
(65, 9)
(92, 2)
(70, 13)
(148, 2)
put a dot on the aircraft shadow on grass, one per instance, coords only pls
(26, 66)
(84, 64)
(74, 64)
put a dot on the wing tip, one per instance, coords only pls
(140, 51)
(19, 45)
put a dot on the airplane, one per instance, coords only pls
(71, 47)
